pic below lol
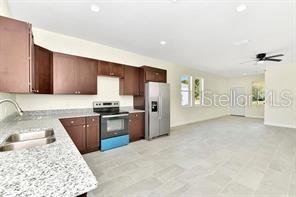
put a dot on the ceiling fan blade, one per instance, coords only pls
(279, 55)
(274, 60)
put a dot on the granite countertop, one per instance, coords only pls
(131, 109)
(56, 169)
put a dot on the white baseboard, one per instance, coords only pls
(260, 117)
(192, 122)
(280, 125)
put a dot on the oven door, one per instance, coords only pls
(114, 125)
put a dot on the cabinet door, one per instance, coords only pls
(160, 76)
(42, 72)
(116, 70)
(136, 126)
(140, 125)
(129, 85)
(64, 74)
(92, 137)
(15, 55)
(77, 134)
(149, 76)
(103, 68)
(92, 133)
(86, 76)
(131, 127)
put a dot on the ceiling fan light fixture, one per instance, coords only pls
(260, 62)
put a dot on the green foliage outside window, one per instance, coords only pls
(258, 93)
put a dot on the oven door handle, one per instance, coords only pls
(114, 116)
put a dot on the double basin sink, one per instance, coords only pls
(27, 140)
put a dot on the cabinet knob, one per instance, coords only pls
(111, 73)
(157, 73)
(136, 115)
(72, 122)
(129, 120)
(83, 126)
(78, 92)
(87, 125)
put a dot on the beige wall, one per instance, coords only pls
(254, 111)
(108, 88)
(5, 109)
(277, 79)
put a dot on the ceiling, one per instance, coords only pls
(202, 34)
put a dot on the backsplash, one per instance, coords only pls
(108, 90)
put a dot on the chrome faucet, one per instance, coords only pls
(17, 107)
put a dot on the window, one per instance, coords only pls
(186, 90)
(198, 90)
(258, 93)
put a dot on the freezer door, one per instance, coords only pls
(152, 107)
(164, 108)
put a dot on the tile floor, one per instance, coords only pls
(229, 156)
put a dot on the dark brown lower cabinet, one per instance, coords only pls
(84, 132)
(92, 134)
(77, 134)
(136, 126)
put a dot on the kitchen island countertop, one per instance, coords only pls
(55, 169)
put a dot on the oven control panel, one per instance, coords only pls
(104, 104)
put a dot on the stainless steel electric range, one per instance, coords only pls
(114, 124)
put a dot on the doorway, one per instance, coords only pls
(238, 101)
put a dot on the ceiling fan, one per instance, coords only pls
(262, 57)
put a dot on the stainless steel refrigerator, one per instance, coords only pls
(157, 108)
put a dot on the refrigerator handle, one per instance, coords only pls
(160, 107)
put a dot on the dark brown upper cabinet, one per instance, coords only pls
(129, 85)
(16, 49)
(154, 74)
(74, 75)
(110, 69)
(87, 75)
(148, 74)
(42, 71)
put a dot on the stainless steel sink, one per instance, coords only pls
(26, 144)
(28, 140)
(18, 137)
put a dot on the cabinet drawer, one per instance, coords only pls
(136, 116)
(93, 120)
(72, 121)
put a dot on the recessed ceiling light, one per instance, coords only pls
(94, 8)
(241, 8)
(163, 42)
(241, 42)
